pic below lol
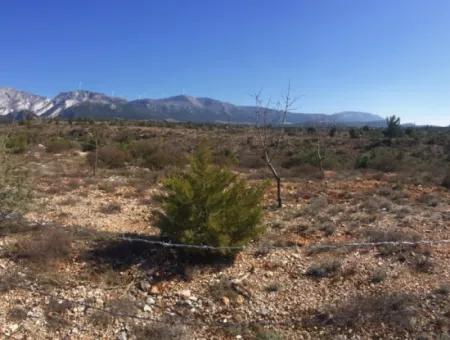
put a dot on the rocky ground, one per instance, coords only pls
(67, 273)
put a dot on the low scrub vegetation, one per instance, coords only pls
(58, 145)
(14, 189)
(395, 310)
(91, 239)
(326, 268)
(109, 156)
(446, 180)
(44, 247)
(156, 155)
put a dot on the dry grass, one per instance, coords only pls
(111, 208)
(161, 331)
(44, 247)
(325, 268)
(397, 311)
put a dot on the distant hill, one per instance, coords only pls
(87, 104)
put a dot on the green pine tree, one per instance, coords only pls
(393, 127)
(209, 205)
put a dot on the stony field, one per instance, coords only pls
(67, 270)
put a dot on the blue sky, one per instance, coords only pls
(380, 56)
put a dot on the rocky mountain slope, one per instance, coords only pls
(12, 100)
(87, 104)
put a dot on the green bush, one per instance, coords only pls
(156, 156)
(385, 160)
(332, 131)
(209, 205)
(88, 145)
(14, 193)
(109, 156)
(17, 143)
(446, 180)
(353, 133)
(304, 156)
(362, 162)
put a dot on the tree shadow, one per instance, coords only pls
(16, 224)
(158, 262)
(105, 251)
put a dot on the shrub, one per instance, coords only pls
(378, 276)
(223, 288)
(210, 205)
(396, 235)
(14, 193)
(17, 314)
(17, 143)
(305, 156)
(396, 311)
(56, 313)
(384, 160)
(46, 247)
(410, 131)
(446, 180)
(362, 162)
(110, 156)
(423, 264)
(250, 160)
(59, 144)
(443, 289)
(156, 156)
(88, 145)
(111, 208)
(327, 268)
(264, 334)
(161, 331)
(353, 133)
(311, 130)
(332, 131)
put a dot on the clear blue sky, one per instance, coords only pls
(381, 56)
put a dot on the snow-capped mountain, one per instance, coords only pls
(86, 104)
(12, 100)
(66, 100)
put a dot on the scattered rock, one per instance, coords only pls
(122, 336)
(226, 301)
(144, 285)
(155, 290)
(240, 299)
(186, 293)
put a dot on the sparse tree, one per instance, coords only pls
(353, 133)
(311, 130)
(393, 128)
(320, 157)
(332, 131)
(96, 135)
(270, 130)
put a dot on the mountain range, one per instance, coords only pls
(16, 104)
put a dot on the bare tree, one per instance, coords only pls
(96, 134)
(320, 157)
(270, 124)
